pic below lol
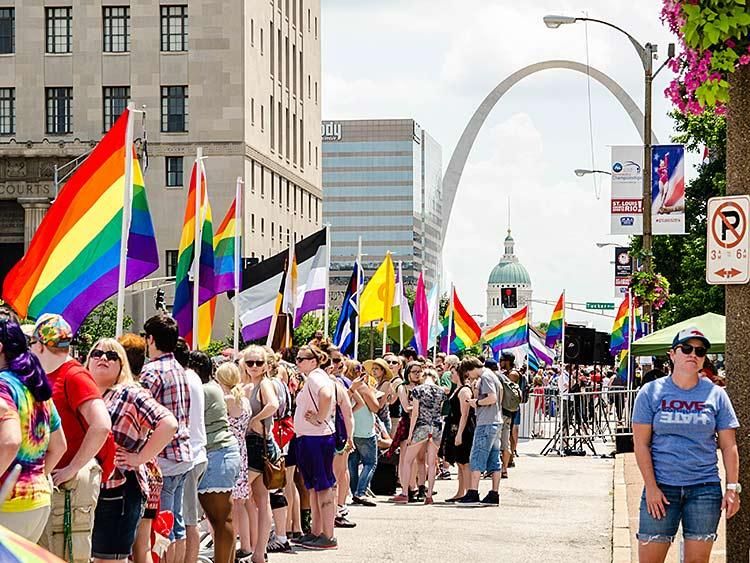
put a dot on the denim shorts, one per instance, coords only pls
(222, 470)
(171, 500)
(118, 509)
(428, 432)
(258, 448)
(485, 449)
(698, 507)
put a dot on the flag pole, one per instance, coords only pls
(450, 318)
(630, 361)
(437, 316)
(358, 265)
(400, 308)
(328, 279)
(197, 246)
(126, 214)
(562, 340)
(237, 261)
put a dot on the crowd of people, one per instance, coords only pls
(271, 451)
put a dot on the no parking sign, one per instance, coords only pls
(727, 240)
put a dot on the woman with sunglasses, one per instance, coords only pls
(678, 421)
(414, 378)
(316, 446)
(382, 376)
(30, 433)
(396, 366)
(141, 428)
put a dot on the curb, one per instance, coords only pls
(621, 548)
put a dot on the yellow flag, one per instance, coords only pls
(377, 298)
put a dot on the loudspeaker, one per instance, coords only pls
(579, 345)
(601, 349)
(623, 440)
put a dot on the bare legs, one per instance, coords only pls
(263, 502)
(241, 520)
(695, 551)
(323, 511)
(432, 457)
(412, 452)
(291, 493)
(142, 545)
(341, 472)
(218, 508)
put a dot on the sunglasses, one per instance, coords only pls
(336, 360)
(393, 362)
(256, 363)
(687, 349)
(110, 355)
(303, 358)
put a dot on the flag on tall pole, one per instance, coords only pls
(344, 335)
(401, 327)
(555, 327)
(376, 301)
(460, 329)
(421, 317)
(433, 303)
(74, 261)
(621, 328)
(509, 333)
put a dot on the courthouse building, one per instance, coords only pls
(240, 79)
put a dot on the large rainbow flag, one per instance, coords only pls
(183, 296)
(621, 328)
(73, 262)
(225, 241)
(509, 333)
(555, 327)
(465, 331)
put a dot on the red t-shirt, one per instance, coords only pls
(72, 386)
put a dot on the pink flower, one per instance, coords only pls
(730, 43)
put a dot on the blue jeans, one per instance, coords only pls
(171, 499)
(698, 507)
(485, 449)
(366, 453)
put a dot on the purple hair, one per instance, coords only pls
(21, 362)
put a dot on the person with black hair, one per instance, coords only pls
(409, 354)
(30, 433)
(655, 373)
(165, 378)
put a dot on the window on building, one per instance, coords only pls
(286, 8)
(286, 58)
(273, 232)
(281, 204)
(174, 28)
(309, 89)
(301, 75)
(116, 29)
(273, 187)
(316, 157)
(174, 167)
(273, 126)
(252, 111)
(115, 101)
(294, 70)
(174, 109)
(317, 217)
(252, 177)
(301, 20)
(281, 232)
(301, 143)
(295, 199)
(294, 139)
(279, 49)
(288, 242)
(59, 110)
(261, 41)
(308, 20)
(7, 30)
(271, 60)
(262, 118)
(262, 227)
(309, 153)
(262, 182)
(252, 222)
(170, 261)
(288, 135)
(294, 12)
(309, 206)
(252, 32)
(280, 128)
(7, 111)
(316, 27)
(59, 29)
(316, 92)
(288, 198)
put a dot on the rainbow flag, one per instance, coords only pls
(621, 328)
(622, 367)
(637, 324)
(509, 333)
(73, 262)
(555, 327)
(183, 296)
(465, 331)
(225, 241)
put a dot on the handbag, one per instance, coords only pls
(340, 435)
(274, 472)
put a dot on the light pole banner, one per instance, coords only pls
(627, 190)
(667, 190)
(623, 270)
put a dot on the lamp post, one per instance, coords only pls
(647, 54)
(581, 172)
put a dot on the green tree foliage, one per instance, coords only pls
(682, 259)
(100, 323)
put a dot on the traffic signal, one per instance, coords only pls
(509, 298)
(159, 300)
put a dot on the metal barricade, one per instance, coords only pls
(538, 413)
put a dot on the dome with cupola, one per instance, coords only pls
(508, 273)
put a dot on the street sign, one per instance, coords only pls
(727, 240)
(600, 306)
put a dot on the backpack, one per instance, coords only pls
(524, 385)
(511, 394)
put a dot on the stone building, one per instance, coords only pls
(240, 79)
(509, 273)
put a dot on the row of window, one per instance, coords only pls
(59, 108)
(115, 29)
(280, 186)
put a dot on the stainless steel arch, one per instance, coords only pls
(461, 152)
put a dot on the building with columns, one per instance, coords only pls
(240, 79)
(509, 273)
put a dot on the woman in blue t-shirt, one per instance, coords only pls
(677, 423)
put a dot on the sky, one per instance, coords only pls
(436, 60)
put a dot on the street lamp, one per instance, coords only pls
(581, 172)
(603, 244)
(647, 54)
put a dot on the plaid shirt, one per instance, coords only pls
(134, 414)
(166, 380)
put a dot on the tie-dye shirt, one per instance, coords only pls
(38, 421)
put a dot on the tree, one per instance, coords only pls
(100, 323)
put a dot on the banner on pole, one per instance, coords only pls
(623, 270)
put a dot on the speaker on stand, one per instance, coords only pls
(579, 345)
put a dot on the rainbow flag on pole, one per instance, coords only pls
(555, 327)
(186, 267)
(225, 240)
(509, 333)
(465, 331)
(621, 328)
(73, 261)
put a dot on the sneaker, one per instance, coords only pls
(492, 499)
(444, 475)
(279, 547)
(503, 474)
(240, 555)
(342, 522)
(471, 498)
(322, 543)
(305, 539)
(413, 496)
(362, 501)
(342, 511)
(421, 493)
(369, 493)
(294, 535)
(512, 464)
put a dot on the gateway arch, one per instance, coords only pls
(461, 152)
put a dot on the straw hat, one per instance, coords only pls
(368, 365)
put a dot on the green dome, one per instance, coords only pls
(509, 272)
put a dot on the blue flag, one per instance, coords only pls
(343, 337)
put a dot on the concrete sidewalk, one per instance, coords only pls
(551, 509)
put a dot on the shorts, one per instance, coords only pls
(485, 448)
(222, 470)
(119, 510)
(517, 418)
(258, 448)
(698, 507)
(315, 461)
(291, 453)
(171, 500)
(505, 434)
(427, 432)
(28, 524)
(190, 508)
